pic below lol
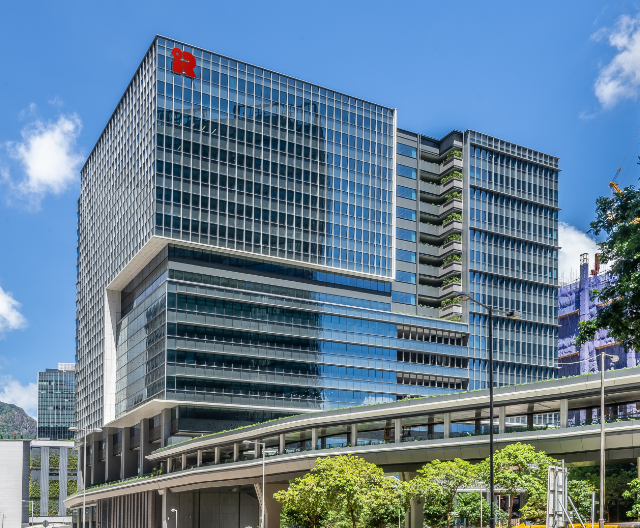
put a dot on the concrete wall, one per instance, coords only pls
(212, 509)
(14, 484)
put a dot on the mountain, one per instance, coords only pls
(14, 419)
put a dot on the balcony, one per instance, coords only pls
(453, 288)
(455, 225)
(454, 184)
(451, 311)
(453, 246)
(154, 434)
(449, 268)
(450, 206)
(454, 163)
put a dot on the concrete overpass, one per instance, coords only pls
(223, 470)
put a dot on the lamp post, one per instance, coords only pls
(84, 469)
(614, 358)
(465, 296)
(264, 452)
(176, 512)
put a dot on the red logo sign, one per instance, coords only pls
(183, 63)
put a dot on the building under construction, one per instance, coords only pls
(575, 303)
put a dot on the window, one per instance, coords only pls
(407, 214)
(404, 298)
(406, 150)
(405, 276)
(407, 172)
(405, 192)
(407, 256)
(405, 234)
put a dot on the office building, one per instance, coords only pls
(242, 256)
(37, 476)
(56, 398)
(479, 214)
(576, 303)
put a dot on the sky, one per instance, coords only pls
(558, 77)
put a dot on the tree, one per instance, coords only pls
(438, 484)
(344, 491)
(468, 509)
(619, 306)
(519, 467)
(633, 493)
(384, 504)
(617, 478)
(304, 503)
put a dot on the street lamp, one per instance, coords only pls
(614, 358)
(264, 452)
(30, 502)
(465, 296)
(84, 469)
(176, 512)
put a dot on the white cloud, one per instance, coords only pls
(10, 316)
(48, 158)
(25, 396)
(573, 243)
(620, 79)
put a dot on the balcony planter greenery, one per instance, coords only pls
(34, 488)
(452, 175)
(54, 461)
(72, 461)
(452, 154)
(449, 302)
(72, 487)
(455, 195)
(452, 217)
(54, 489)
(451, 280)
(451, 258)
(453, 237)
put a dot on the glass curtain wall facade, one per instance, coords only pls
(245, 222)
(479, 214)
(56, 402)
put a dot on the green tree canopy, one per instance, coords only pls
(619, 311)
(519, 467)
(468, 509)
(438, 483)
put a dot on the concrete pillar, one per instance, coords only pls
(314, 438)
(146, 447)
(199, 457)
(447, 425)
(184, 461)
(416, 514)
(169, 468)
(353, 434)
(97, 466)
(281, 444)
(128, 459)
(530, 421)
(397, 430)
(564, 414)
(165, 426)
(216, 455)
(502, 420)
(236, 452)
(272, 507)
(111, 461)
(164, 511)
(81, 475)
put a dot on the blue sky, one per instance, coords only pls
(559, 77)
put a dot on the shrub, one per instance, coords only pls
(34, 488)
(455, 174)
(453, 195)
(452, 154)
(448, 302)
(72, 462)
(453, 237)
(451, 280)
(452, 217)
(54, 488)
(72, 487)
(34, 461)
(451, 258)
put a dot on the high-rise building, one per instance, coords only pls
(576, 303)
(236, 241)
(247, 251)
(479, 214)
(56, 399)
